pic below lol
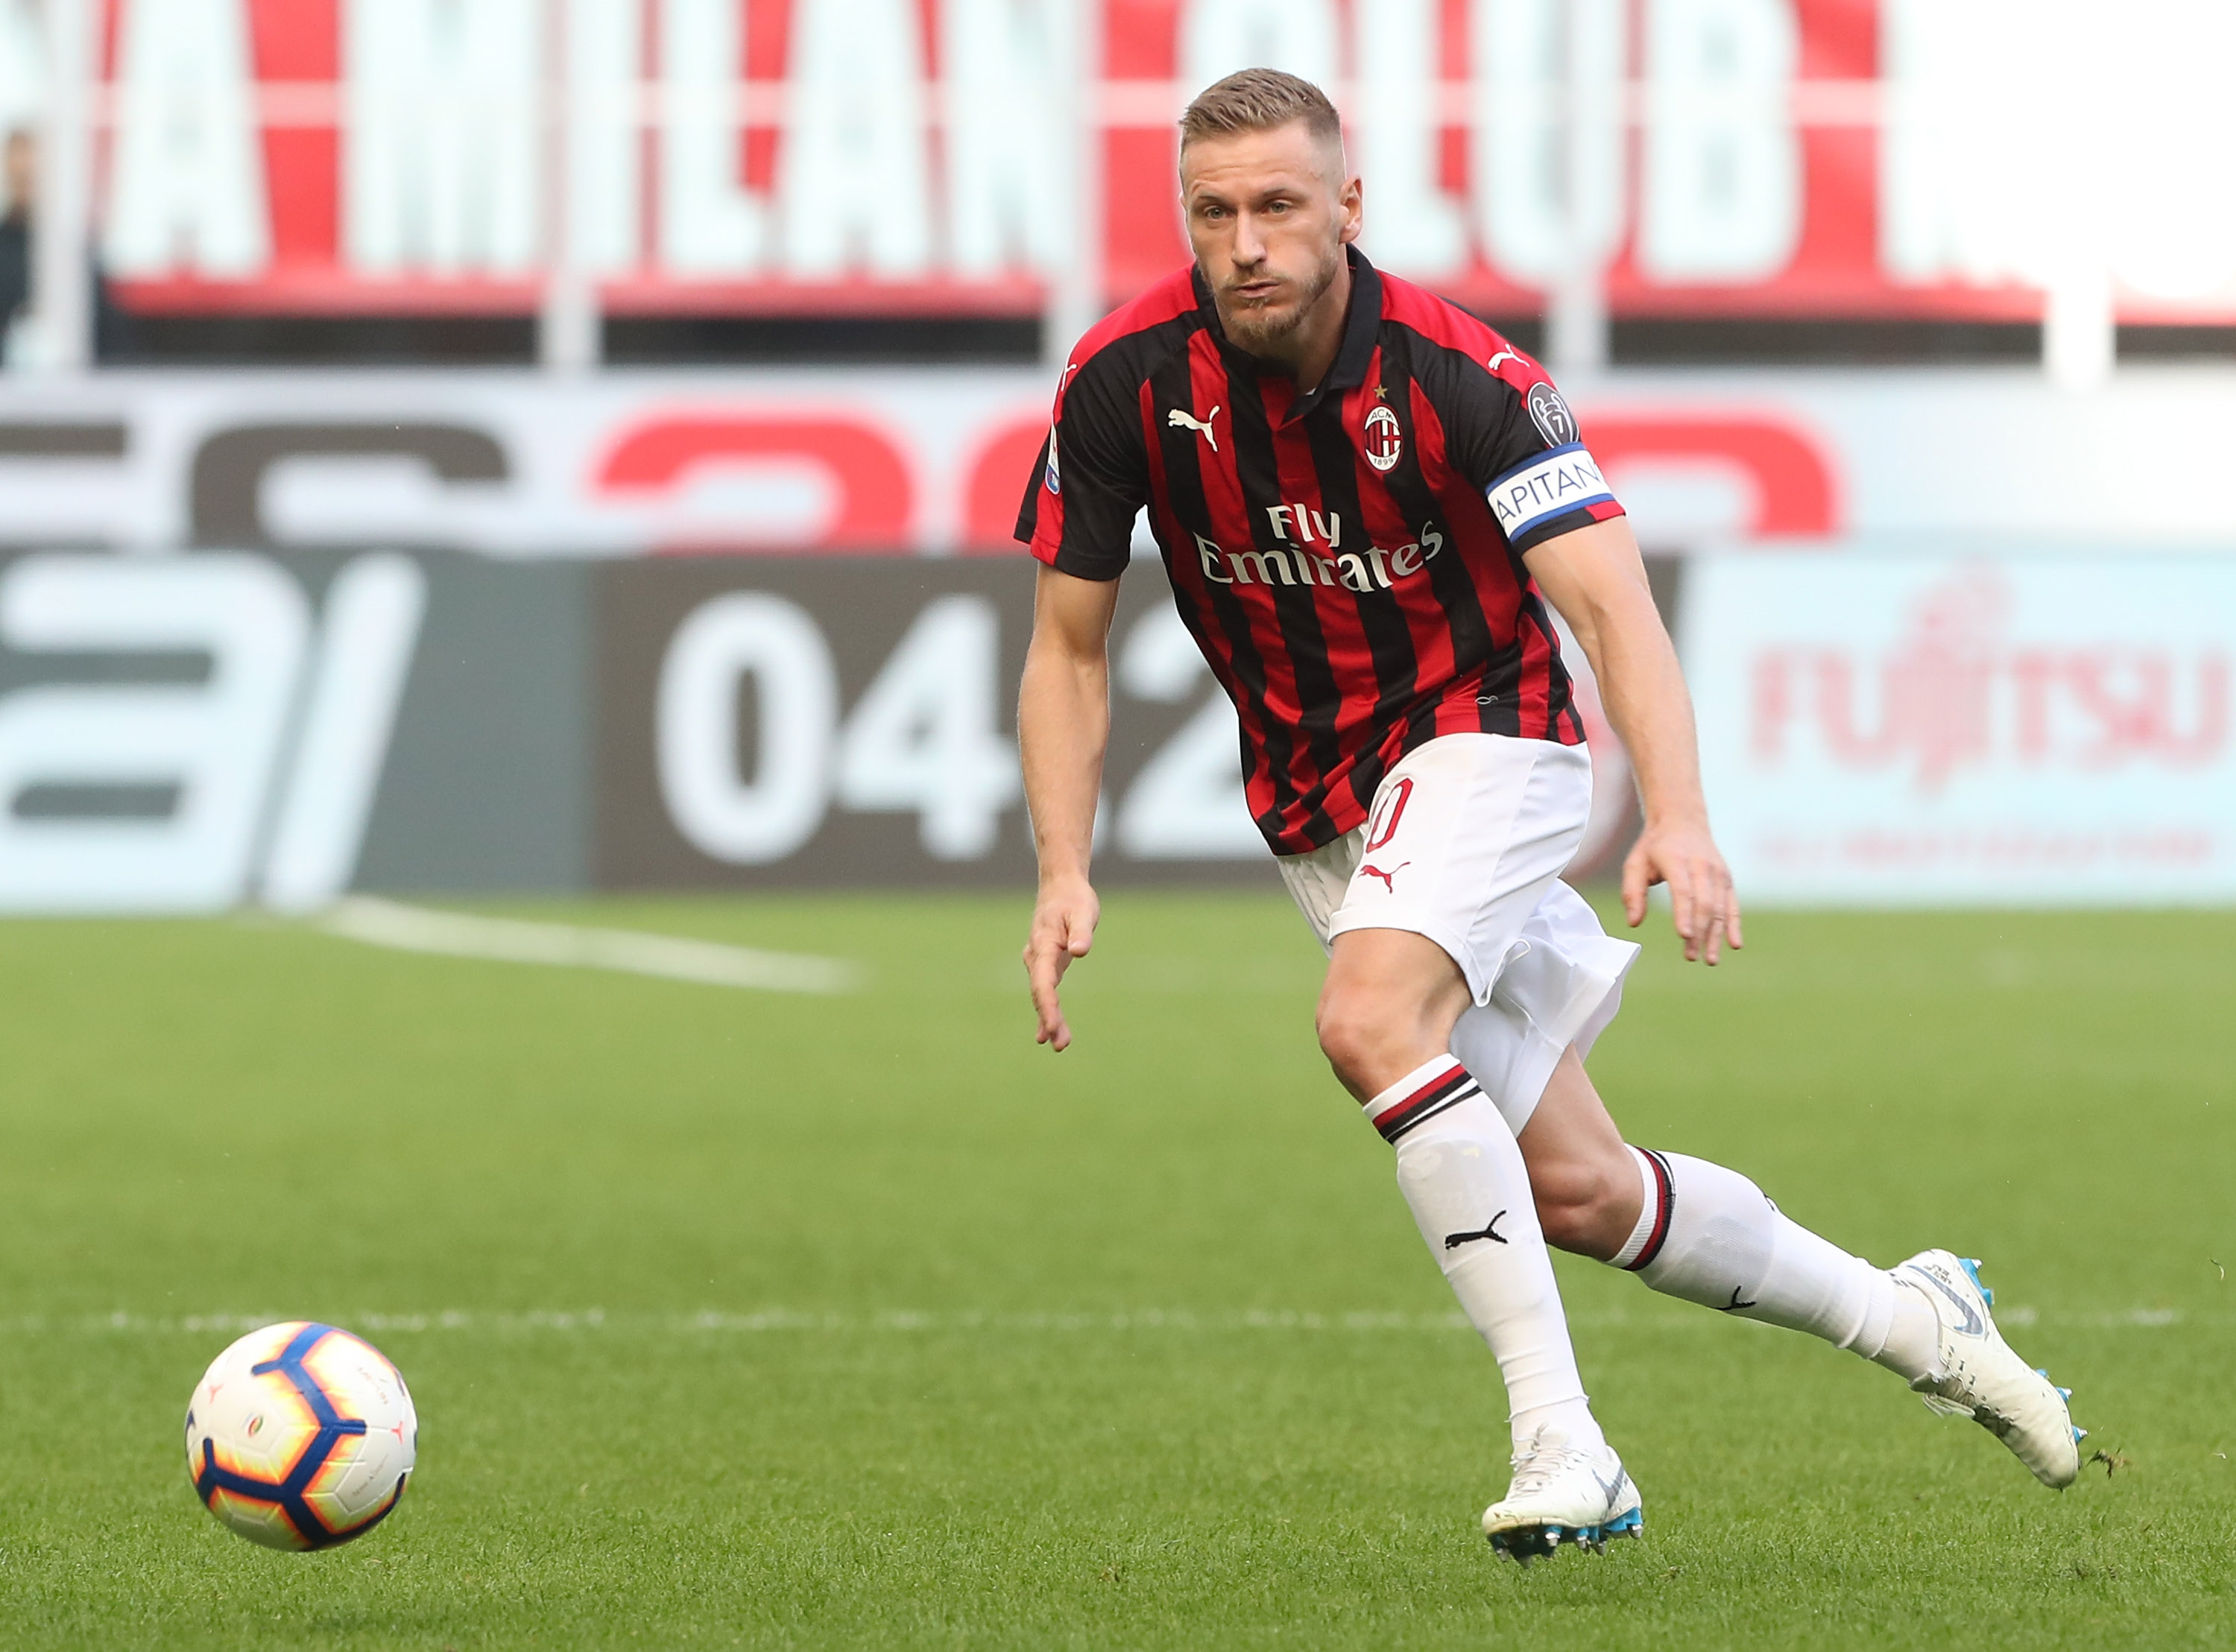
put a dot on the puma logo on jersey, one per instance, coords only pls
(1503, 356)
(1180, 419)
(1389, 878)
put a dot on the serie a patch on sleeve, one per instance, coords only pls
(1552, 484)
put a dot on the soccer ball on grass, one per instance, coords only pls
(300, 1436)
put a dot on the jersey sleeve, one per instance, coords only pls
(1094, 475)
(1510, 432)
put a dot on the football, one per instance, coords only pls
(300, 1436)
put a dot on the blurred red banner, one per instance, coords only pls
(1853, 158)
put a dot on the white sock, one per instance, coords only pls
(1709, 1236)
(1463, 1178)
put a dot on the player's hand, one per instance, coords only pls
(1063, 929)
(1682, 854)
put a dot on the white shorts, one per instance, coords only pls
(1469, 833)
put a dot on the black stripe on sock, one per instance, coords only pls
(1666, 1191)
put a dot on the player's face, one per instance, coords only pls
(1268, 215)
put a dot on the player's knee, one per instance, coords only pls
(1367, 1039)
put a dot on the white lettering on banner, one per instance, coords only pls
(1564, 480)
(1960, 193)
(796, 691)
(1006, 63)
(186, 187)
(1419, 230)
(854, 175)
(923, 736)
(440, 149)
(214, 747)
(1748, 114)
(710, 224)
(372, 614)
(216, 744)
(1906, 731)
(1219, 36)
(1548, 191)
(926, 738)
(1980, 157)
(2175, 163)
(604, 46)
(1722, 195)
(1186, 802)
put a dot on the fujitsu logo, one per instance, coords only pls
(1957, 692)
(1301, 533)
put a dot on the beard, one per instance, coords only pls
(1263, 328)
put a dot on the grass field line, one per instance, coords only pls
(1181, 1321)
(517, 941)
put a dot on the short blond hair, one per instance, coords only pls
(1259, 100)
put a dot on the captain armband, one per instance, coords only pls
(1553, 484)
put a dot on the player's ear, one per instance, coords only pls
(1352, 206)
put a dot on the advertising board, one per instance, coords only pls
(1930, 731)
(192, 731)
(852, 722)
(934, 462)
(1843, 157)
(188, 732)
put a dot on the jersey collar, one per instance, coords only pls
(1362, 329)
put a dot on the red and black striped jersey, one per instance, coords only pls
(1349, 558)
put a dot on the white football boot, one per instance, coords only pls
(1980, 1378)
(1562, 1493)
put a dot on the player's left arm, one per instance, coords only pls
(1596, 577)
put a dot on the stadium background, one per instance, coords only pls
(554, 458)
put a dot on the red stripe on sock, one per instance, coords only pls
(1665, 1193)
(1455, 1070)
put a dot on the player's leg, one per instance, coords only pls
(1707, 1234)
(1468, 834)
(1384, 1022)
(1692, 1229)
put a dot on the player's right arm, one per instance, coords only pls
(1063, 725)
(1078, 518)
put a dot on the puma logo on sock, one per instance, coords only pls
(1489, 1231)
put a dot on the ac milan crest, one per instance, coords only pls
(1384, 439)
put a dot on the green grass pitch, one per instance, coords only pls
(744, 1319)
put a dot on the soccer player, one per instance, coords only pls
(1365, 498)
